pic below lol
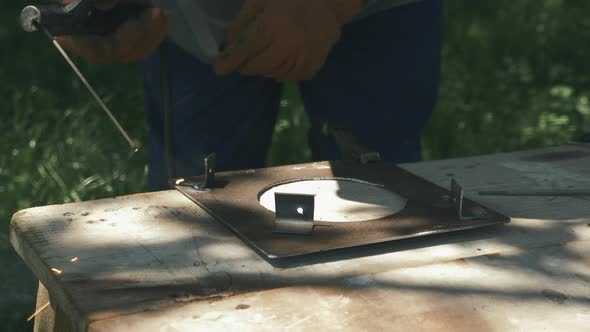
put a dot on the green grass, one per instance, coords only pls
(516, 76)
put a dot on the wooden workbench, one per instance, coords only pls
(157, 262)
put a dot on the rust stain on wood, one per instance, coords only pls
(493, 256)
(461, 261)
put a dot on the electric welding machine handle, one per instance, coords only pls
(78, 18)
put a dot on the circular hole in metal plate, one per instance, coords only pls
(340, 200)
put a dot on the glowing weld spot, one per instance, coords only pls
(38, 312)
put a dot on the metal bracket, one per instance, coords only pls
(294, 213)
(457, 196)
(209, 183)
(210, 164)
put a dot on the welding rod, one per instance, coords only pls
(100, 102)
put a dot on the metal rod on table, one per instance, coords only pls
(99, 100)
(565, 193)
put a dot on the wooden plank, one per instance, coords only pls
(158, 250)
(566, 167)
(547, 289)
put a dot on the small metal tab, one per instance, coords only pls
(204, 185)
(457, 196)
(294, 213)
(210, 164)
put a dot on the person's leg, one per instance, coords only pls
(232, 116)
(380, 81)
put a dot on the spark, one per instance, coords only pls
(57, 271)
(179, 181)
(73, 260)
(38, 312)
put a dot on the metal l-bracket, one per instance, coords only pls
(294, 213)
(210, 164)
(207, 184)
(457, 197)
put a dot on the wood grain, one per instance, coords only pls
(509, 292)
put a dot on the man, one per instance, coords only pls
(371, 66)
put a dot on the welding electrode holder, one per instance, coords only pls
(77, 18)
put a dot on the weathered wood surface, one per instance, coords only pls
(544, 290)
(157, 262)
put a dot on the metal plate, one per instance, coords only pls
(429, 209)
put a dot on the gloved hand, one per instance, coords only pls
(134, 40)
(284, 39)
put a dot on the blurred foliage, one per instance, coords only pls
(57, 145)
(515, 76)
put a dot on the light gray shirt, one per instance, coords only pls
(200, 26)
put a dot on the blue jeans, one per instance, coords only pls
(380, 81)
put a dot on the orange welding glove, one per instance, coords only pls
(134, 40)
(284, 39)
